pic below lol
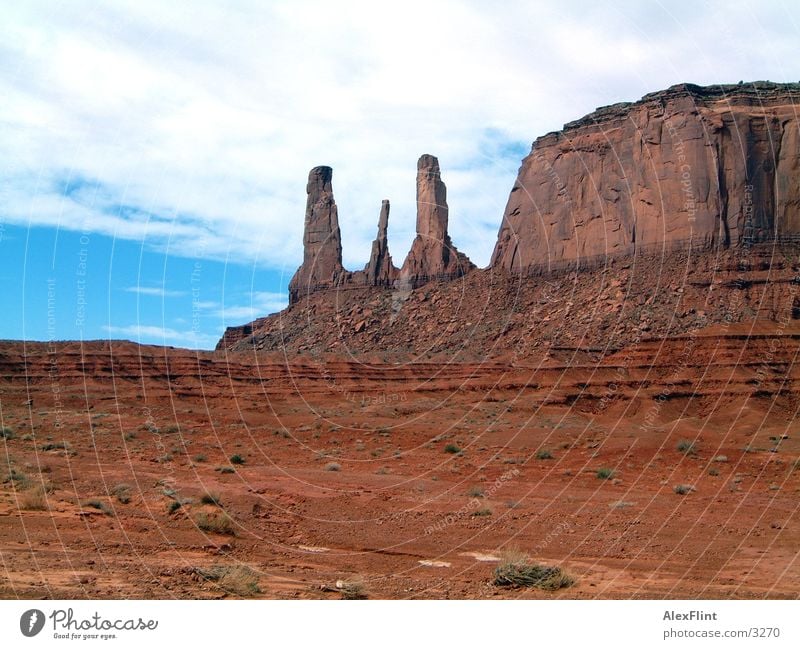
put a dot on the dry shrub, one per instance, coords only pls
(239, 580)
(219, 523)
(352, 589)
(34, 499)
(516, 571)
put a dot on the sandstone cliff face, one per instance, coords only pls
(322, 241)
(716, 165)
(432, 254)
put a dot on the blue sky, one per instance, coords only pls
(61, 284)
(171, 134)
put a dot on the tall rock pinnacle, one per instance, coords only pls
(432, 254)
(322, 242)
(380, 271)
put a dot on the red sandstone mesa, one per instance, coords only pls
(716, 169)
(717, 165)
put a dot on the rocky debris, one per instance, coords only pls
(432, 254)
(687, 164)
(322, 242)
(575, 314)
(380, 270)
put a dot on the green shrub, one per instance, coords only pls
(605, 473)
(476, 492)
(544, 454)
(199, 458)
(6, 433)
(482, 512)
(452, 448)
(687, 447)
(211, 498)
(122, 493)
(56, 446)
(174, 506)
(236, 459)
(100, 506)
(18, 479)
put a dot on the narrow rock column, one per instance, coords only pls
(322, 241)
(380, 270)
(432, 255)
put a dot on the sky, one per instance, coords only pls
(154, 156)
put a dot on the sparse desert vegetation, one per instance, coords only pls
(122, 492)
(217, 522)
(34, 499)
(211, 498)
(99, 505)
(292, 522)
(352, 589)
(237, 579)
(517, 571)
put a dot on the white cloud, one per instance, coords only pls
(154, 291)
(154, 334)
(205, 118)
(259, 304)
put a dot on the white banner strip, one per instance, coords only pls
(355, 624)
